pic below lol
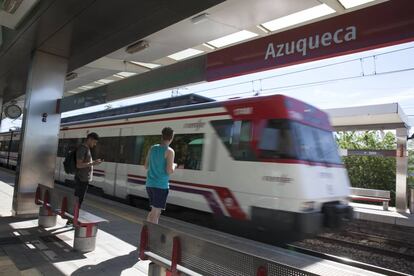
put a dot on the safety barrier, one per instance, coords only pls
(179, 248)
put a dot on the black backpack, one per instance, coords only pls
(69, 164)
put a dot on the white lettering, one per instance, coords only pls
(326, 39)
(336, 36)
(351, 35)
(311, 40)
(243, 111)
(280, 50)
(270, 51)
(292, 48)
(303, 45)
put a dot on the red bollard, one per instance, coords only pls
(176, 256)
(261, 271)
(143, 244)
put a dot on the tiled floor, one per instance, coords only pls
(26, 249)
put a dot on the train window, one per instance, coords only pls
(241, 141)
(277, 141)
(130, 149)
(65, 145)
(148, 141)
(237, 137)
(308, 145)
(224, 129)
(316, 144)
(106, 149)
(329, 147)
(188, 150)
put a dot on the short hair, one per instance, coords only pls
(93, 136)
(167, 133)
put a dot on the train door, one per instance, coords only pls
(135, 148)
(123, 163)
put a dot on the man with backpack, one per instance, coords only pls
(84, 166)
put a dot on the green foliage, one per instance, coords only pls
(410, 179)
(366, 171)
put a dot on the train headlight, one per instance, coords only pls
(308, 206)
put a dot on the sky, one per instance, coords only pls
(378, 76)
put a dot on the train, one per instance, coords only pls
(270, 162)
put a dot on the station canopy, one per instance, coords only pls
(107, 43)
(370, 117)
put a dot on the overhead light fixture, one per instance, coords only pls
(263, 29)
(118, 76)
(72, 92)
(353, 3)
(105, 81)
(298, 17)
(185, 54)
(136, 47)
(209, 46)
(126, 74)
(85, 87)
(11, 6)
(199, 18)
(232, 38)
(145, 64)
(71, 76)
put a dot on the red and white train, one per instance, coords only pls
(271, 161)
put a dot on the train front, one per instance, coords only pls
(304, 185)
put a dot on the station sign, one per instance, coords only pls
(376, 26)
(376, 153)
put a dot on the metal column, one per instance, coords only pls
(402, 167)
(40, 128)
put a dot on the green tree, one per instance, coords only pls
(368, 171)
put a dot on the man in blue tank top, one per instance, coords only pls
(159, 165)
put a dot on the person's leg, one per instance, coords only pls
(154, 215)
(80, 191)
(158, 200)
(77, 190)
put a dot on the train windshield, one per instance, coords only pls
(282, 139)
(279, 139)
(316, 144)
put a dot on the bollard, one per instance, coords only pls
(46, 217)
(85, 238)
(412, 200)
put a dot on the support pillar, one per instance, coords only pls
(40, 128)
(402, 168)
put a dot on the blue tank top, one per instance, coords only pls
(157, 176)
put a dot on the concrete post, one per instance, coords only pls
(402, 168)
(39, 133)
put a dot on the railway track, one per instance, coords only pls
(346, 261)
(367, 247)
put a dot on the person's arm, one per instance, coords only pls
(146, 165)
(80, 156)
(170, 161)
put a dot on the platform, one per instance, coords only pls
(26, 249)
(376, 213)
